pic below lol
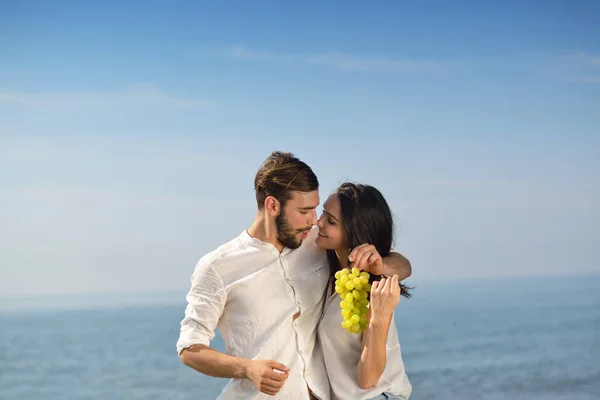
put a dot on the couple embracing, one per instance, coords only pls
(271, 292)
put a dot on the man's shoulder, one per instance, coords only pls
(222, 252)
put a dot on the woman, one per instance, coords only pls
(366, 365)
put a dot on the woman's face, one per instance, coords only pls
(332, 234)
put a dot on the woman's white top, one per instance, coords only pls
(342, 350)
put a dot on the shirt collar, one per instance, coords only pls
(248, 240)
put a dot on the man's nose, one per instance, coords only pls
(313, 218)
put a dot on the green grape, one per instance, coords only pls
(353, 286)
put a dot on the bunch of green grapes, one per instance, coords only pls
(353, 285)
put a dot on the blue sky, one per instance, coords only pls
(130, 133)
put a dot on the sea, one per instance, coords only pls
(488, 339)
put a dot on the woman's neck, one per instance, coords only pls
(342, 255)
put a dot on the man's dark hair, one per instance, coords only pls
(280, 175)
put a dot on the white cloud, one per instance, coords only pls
(339, 61)
(586, 67)
(589, 59)
(134, 95)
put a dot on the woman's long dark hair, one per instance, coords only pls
(367, 218)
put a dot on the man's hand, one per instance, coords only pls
(366, 258)
(267, 376)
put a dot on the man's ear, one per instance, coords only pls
(272, 206)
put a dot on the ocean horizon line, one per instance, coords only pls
(173, 297)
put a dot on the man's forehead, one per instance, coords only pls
(305, 199)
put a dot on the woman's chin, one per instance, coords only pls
(321, 243)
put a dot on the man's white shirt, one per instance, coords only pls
(251, 292)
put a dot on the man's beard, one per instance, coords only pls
(285, 234)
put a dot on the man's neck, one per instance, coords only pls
(265, 231)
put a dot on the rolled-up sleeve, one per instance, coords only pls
(205, 305)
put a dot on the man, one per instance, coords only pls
(264, 291)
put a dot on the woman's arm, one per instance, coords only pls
(385, 296)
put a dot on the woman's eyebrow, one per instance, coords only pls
(330, 214)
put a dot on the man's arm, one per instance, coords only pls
(262, 373)
(366, 257)
(207, 299)
(397, 264)
(214, 363)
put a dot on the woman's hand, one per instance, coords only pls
(385, 296)
(366, 258)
